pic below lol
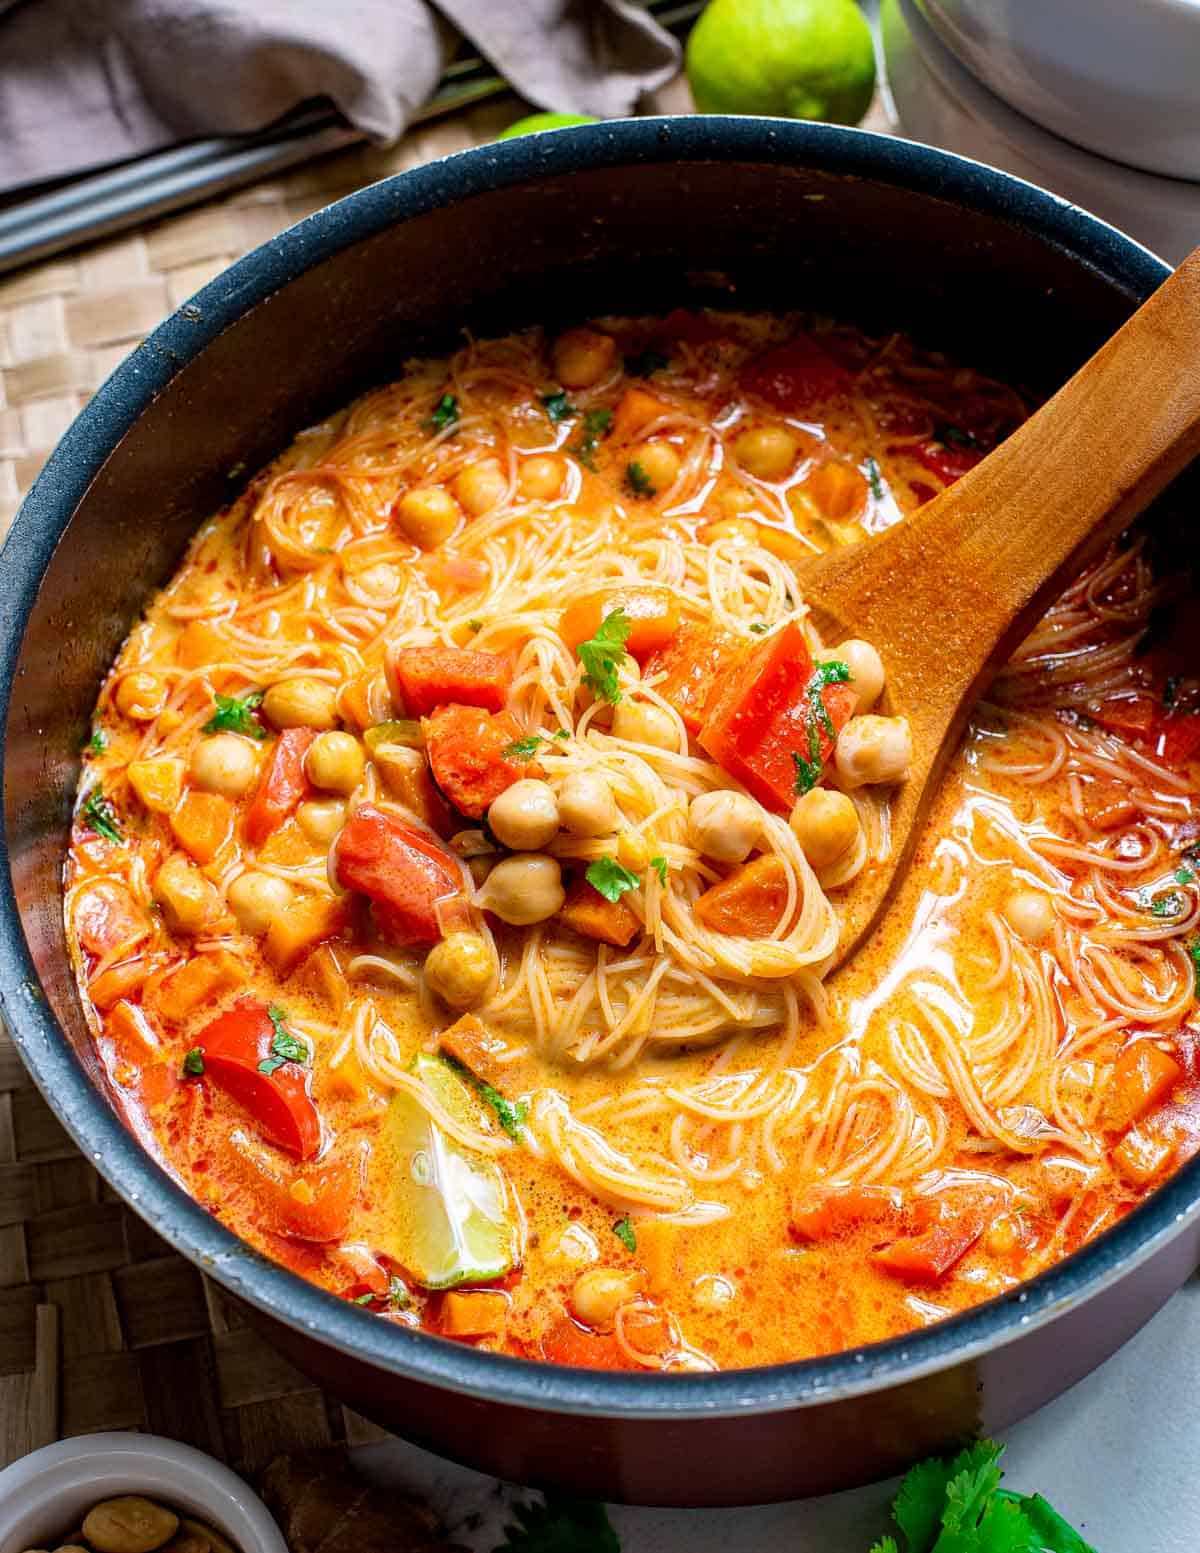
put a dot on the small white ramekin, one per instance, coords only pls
(44, 1495)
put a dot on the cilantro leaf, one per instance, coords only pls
(955, 437)
(445, 413)
(624, 1231)
(1193, 950)
(874, 479)
(561, 733)
(560, 1526)
(193, 1063)
(610, 879)
(398, 1297)
(234, 716)
(363, 1299)
(100, 816)
(595, 426)
(918, 1507)
(638, 481)
(885, 1545)
(521, 749)
(557, 406)
(1050, 1530)
(659, 865)
(510, 1113)
(98, 742)
(759, 627)
(1184, 876)
(818, 721)
(603, 653)
(285, 1047)
(646, 362)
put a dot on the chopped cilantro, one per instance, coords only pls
(1171, 690)
(510, 1113)
(818, 721)
(521, 749)
(193, 1063)
(645, 363)
(1166, 904)
(234, 715)
(560, 1526)
(445, 413)
(398, 1297)
(557, 406)
(638, 481)
(1184, 876)
(1193, 950)
(602, 654)
(363, 1299)
(475, 626)
(955, 437)
(285, 1047)
(98, 742)
(100, 816)
(623, 1230)
(659, 865)
(874, 479)
(759, 627)
(610, 878)
(561, 733)
(595, 426)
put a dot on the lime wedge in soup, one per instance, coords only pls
(453, 1223)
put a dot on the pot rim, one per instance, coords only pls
(96, 1127)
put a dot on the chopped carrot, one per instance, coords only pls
(132, 1032)
(822, 1212)
(837, 489)
(566, 1343)
(282, 785)
(474, 1047)
(424, 678)
(1141, 1155)
(106, 918)
(202, 824)
(466, 748)
(750, 901)
(652, 613)
(587, 912)
(202, 979)
(474, 1313)
(307, 922)
(692, 662)
(779, 542)
(158, 783)
(407, 875)
(795, 375)
(770, 719)
(1143, 1076)
(200, 644)
(638, 407)
(118, 982)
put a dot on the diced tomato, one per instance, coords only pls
(761, 718)
(652, 613)
(466, 749)
(1179, 739)
(106, 918)
(692, 662)
(234, 1045)
(1143, 1075)
(403, 871)
(282, 785)
(795, 375)
(947, 463)
(823, 1212)
(424, 678)
(566, 1343)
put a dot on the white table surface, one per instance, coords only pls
(1119, 1456)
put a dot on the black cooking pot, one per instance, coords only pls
(638, 215)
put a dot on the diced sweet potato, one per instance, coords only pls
(202, 824)
(474, 1047)
(474, 1313)
(197, 982)
(119, 981)
(1143, 1076)
(132, 1032)
(637, 409)
(158, 783)
(306, 923)
(750, 902)
(200, 644)
(1142, 1155)
(587, 912)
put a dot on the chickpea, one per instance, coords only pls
(525, 815)
(256, 900)
(190, 902)
(335, 762)
(582, 356)
(766, 452)
(586, 805)
(1030, 914)
(141, 697)
(742, 531)
(599, 1292)
(129, 1524)
(216, 1541)
(725, 826)
(523, 889)
(224, 763)
(302, 702)
(541, 477)
(642, 722)
(825, 824)
(481, 486)
(865, 665)
(428, 515)
(874, 749)
(460, 970)
(320, 819)
(660, 463)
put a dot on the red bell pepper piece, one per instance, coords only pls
(234, 1045)
(282, 785)
(692, 662)
(1179, 738)
(946, 462)
(425, 678)
(403, 871)
(795, 375)
(566, 1343)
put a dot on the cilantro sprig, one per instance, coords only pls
(236, 715)
(100, 816)
(511, 1114)
(557, 406)
(610, 878)
(560, 1526)
(98, 742)
(285, 1047)
(445, 413)
(596, 424)
(624, 1231)
(659, 865)
(817, 721)
(638, 481)
(521, 749)
(193, 1062)
(602, 655)
(874, 478)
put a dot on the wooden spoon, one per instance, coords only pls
(948, 595)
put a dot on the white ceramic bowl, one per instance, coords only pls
(1121, 77)
(44, 1495)
(939, 101)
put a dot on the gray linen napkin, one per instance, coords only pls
(87, 82)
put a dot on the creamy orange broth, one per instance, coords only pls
(1005, 1070)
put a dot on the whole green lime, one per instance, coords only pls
(792, 59)
(536, 121)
